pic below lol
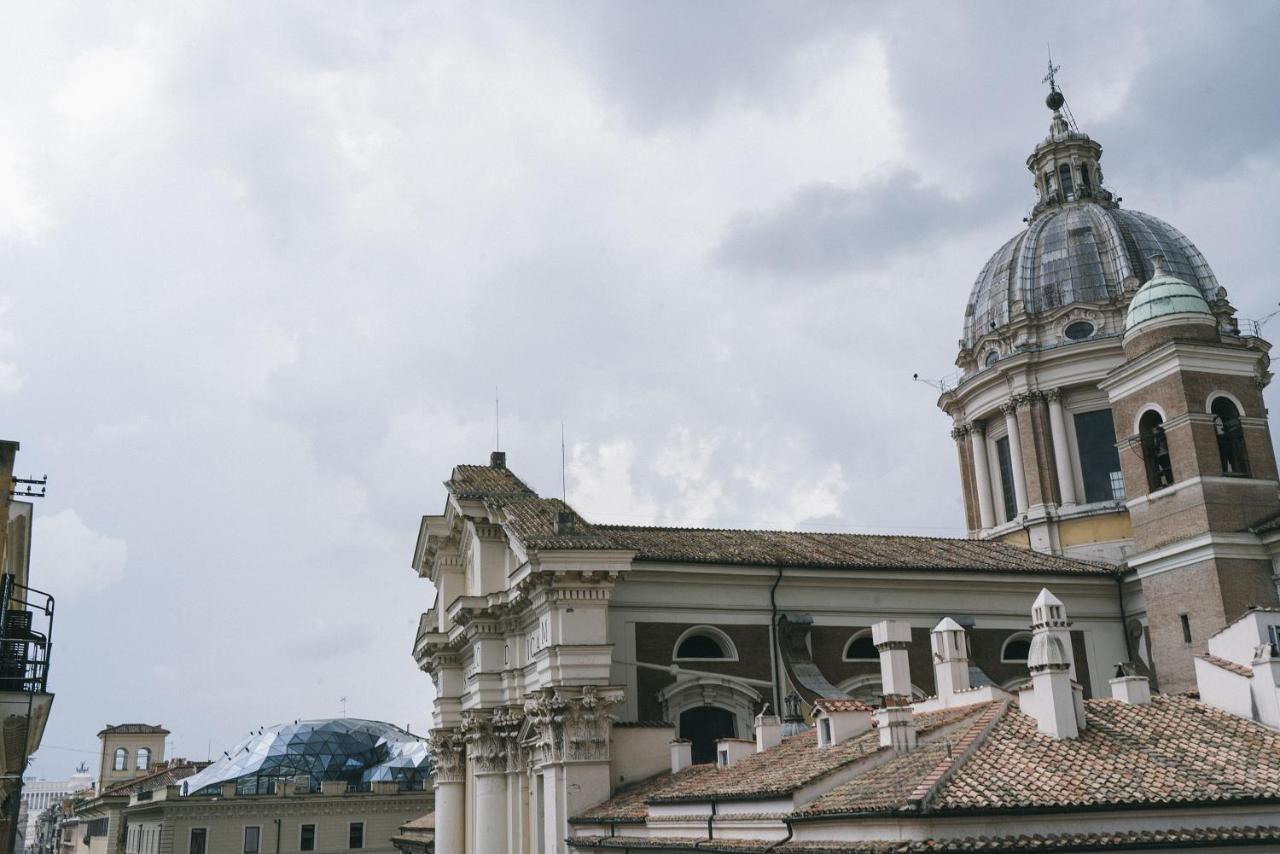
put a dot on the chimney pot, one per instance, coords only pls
(565, 522)
(498, 460)
(1134, 690)
(768, 731)
(681, 755)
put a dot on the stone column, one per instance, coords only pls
(1061, 451)
(506, 725)
(1010, 410)
(448, 776)
(960, 432)
(982, 473)
(487, 754)
(573, 727)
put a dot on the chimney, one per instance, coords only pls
(897, 724)
(681, 755)
(838, 719)
(892, 638)
(564, 523)
(1129, 687)
(730, 750)
(498, 460)
(768, 731)
(1265, 684)
(1052, 700)
(950, 658)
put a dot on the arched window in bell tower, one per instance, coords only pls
(1155, 450)
(1065, 184)
(1226, 423)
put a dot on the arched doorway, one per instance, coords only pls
(703, 725)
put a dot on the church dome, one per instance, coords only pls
(1080, 252)
(1164, 295)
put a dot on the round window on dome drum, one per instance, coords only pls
(1079, 330)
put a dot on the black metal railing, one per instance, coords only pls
(26, 637)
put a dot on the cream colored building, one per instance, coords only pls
(163, 821)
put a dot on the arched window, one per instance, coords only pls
(1086, 185)
(1064, 181)
(1226, 422)
(143, 758)
(704, 643)
(1155, 450)
(993, 356)
(122, 760)
(1016, 648)
(861, 648)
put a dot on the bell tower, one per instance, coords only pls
(1198, 464)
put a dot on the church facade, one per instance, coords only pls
(1113, 447)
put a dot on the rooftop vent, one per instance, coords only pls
(498, 460)
(565, 522)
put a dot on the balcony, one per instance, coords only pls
(26, 640)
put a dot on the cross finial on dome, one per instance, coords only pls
(1055, 98)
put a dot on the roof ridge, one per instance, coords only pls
(957, 755)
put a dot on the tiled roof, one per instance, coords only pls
(793, 763)
(629, 803)
(1174, 750)
(474, 482)
(1162, 840)
(838, 551)
(155, 780)
(532, 521)
(1227, 664)
(530, 518)
(133, 729)
(832, 704)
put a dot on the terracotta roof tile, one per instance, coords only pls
(796, 761)
(532, 520)
(1174, 750)
(1227, 664)
(155, 780)
(468, 481)
(839, 704)
(1114, 841)
(838, 551)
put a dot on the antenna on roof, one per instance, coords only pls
(564, 490)
(937, 384)
(344, 705)
(497, 422)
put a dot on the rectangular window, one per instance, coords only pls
(251, 838)
(826, 731)
(199, 840)
(1099, 459)
(1186, 628)
(307, 841)
(355, 835)
(1006, 479)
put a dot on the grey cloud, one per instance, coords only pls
(825, 228)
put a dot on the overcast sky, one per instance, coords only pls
(264, 265)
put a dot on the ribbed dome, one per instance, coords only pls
(1080, 252)
(1163, 296)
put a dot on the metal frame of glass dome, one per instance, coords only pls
(308, 753)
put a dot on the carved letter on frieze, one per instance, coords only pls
(448, 756)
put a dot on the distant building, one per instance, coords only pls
(39, 795)
(129, 751)
(332, 785)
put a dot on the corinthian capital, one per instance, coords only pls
(1053, 394)
(960, 430)
(448, 756)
